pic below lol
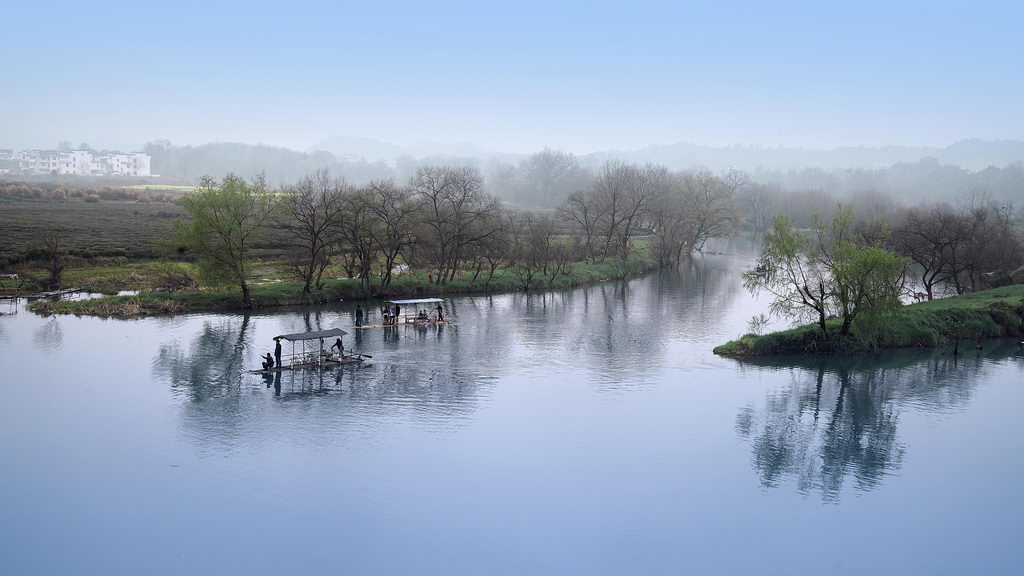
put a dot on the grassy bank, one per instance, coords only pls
(290, 293)
(990, 314)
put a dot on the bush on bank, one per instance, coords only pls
(290, 293)
(994, 313)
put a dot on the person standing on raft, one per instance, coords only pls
(440, 313)
(277, 351)
(359, 315)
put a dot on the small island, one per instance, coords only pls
(845, 280)
(994, 313)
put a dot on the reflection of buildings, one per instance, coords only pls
(838, 418)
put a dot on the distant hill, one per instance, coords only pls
(355, 148)
(974, 154)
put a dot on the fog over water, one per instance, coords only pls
(640, 151)
(587, 430)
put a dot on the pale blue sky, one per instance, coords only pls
(512, 76)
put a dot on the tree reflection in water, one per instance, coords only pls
(50, 336)
(838, 418)
(213, 362)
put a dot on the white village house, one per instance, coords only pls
(80, 162)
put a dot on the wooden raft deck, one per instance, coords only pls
(306, 366)
(427, 323)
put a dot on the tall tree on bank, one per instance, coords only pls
(826, 274)
(312, 210)
(226, 219)
(456, 213)
(395, 211)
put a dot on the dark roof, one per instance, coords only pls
(313, 335)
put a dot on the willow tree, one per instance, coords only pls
(826, 273)
(226, 218)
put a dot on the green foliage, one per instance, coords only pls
(826, 274)
(227, 218)
(290, 293)
(989, 314)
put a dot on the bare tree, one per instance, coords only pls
(358, 234)
(455, 214)
(758, 201)
(313, 213)
(549, 176)
(669, 224)
(711, 205)
(56, 258)
(533, 247)
(582, 210)
(396, 212)
(932, 238)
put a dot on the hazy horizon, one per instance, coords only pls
(582, 77)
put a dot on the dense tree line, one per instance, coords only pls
(444, 222)
(962, 250)
(926, 180)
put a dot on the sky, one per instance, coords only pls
(513, 76)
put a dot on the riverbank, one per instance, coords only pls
(272, 294)
(989, 314)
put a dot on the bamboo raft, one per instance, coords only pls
(329, 363)
(316, 358)
(406, 323)
(411, 319)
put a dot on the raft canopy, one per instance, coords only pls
(312, 335)
(417, 301)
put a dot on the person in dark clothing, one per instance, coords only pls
(337, 344)
(269, 363)
(277, 350)
(440, 313)
(359, 315)
(398, 310)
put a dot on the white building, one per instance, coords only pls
(6, 160)
(79, 162)
(36, 161)
(75, 162)
(134, 164)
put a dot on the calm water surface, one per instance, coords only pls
(581, 432)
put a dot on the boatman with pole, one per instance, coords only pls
(440, 313)
(277, 351)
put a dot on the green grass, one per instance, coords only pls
(290, 293)
(994, 313)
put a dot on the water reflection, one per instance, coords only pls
(211, 365)
(50, 336)
(838, 418)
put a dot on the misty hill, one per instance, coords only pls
(355, 148)
(973, 154)
(279, 165)
(951, 173)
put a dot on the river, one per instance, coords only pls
(588, 431)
